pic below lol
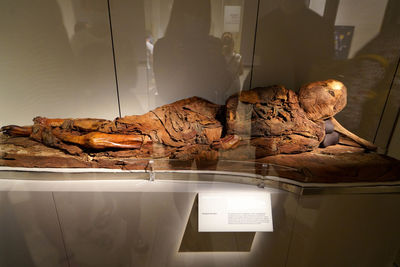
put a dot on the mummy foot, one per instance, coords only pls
(14, 130)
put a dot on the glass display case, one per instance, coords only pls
(141, 108)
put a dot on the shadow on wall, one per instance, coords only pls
(188, 61)
(48, 71)
(370, 76)
(36, 60)
(293, 45)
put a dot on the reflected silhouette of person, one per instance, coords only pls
(368, 77)
(234, 63)
(188, 61)
(294, 44)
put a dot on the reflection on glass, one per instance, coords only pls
(293, 44)
(188, 59)
(233, 61)
(52, 52)
(302, 41)
(369, 71)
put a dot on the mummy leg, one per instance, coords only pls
(14, 130)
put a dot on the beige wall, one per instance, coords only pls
(366, 16)
(47, 71)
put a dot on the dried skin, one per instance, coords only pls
(322, 100)
(256, 123)
(276, 121)
(191, 121)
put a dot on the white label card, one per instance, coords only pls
(235, 212)
(232, 18)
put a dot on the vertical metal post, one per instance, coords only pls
(113, 55)
(254, 45)
(152, 175)
(264, 173)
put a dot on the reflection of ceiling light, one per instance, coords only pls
(336, 85)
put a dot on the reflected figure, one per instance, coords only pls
(369, 76)
(102, 228)
(233, 61)
(294, 44)
(188, 61)
(36, 58)
(89, 43)
(14, 246)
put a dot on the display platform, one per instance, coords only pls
(339, 163)
(81, 176)
(106, 217)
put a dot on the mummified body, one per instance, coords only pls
(272, 119)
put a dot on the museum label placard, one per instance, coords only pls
(235, 212)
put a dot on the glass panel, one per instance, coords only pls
(171, 50)
(56, 61)
(373, 57)
(355, 42)
(388, 134)
(394, 144)
(128, 24)
(194, 48)
(30, 230)
(327, 226)
(131, 222)
(90, 58)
